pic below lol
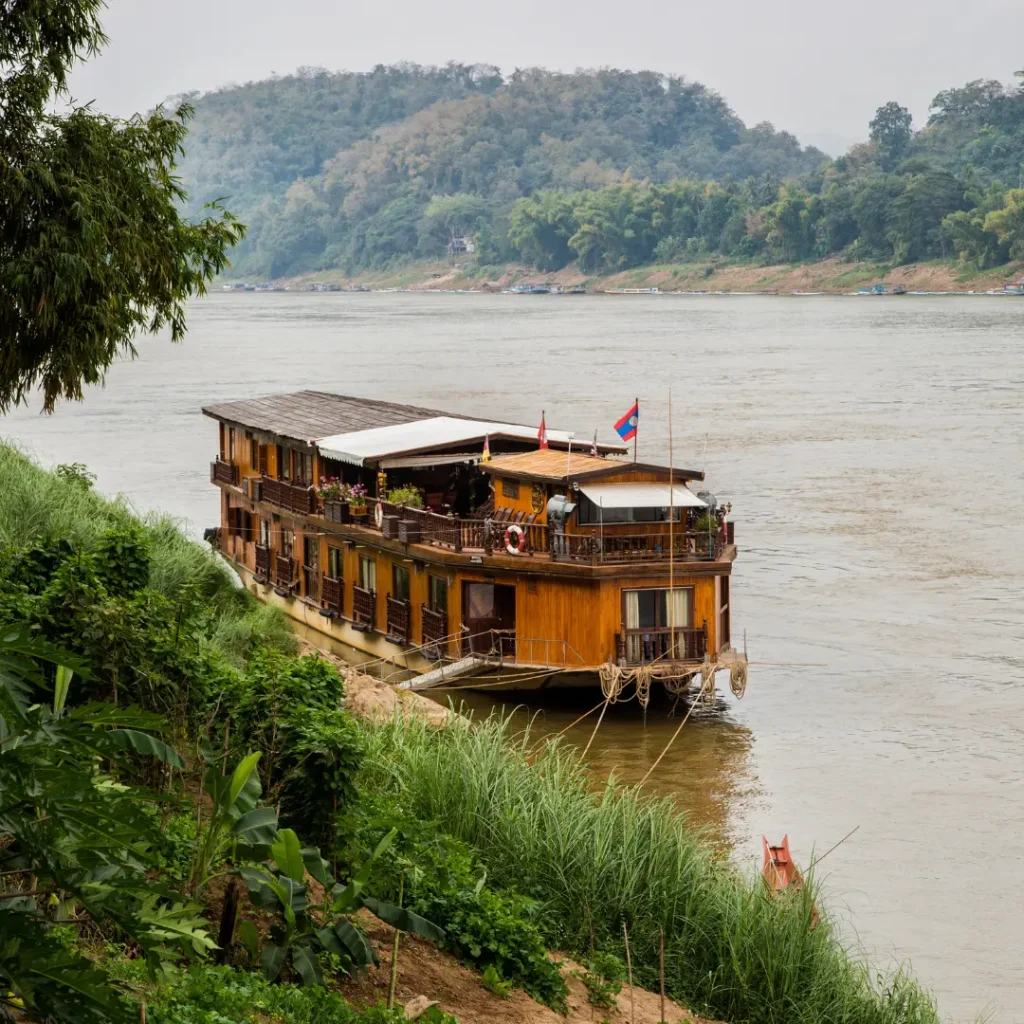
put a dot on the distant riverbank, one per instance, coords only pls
(829, 277)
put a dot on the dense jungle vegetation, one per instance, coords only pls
(191, 820)
(608, 169)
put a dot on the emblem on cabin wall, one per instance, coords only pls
(538, 498)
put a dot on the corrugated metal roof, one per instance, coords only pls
(308, 415)
(641, 495)
(362, 446)
(550, 464)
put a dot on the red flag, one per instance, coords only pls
(542, 434)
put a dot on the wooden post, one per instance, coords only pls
(394, 951)
(629, 973)
(661, 969)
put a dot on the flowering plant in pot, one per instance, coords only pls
(356, 496)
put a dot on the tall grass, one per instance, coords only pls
(598, 859)
(38, 506)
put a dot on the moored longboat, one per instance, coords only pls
(431, 540)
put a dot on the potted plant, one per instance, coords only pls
(330, 493)
(407, 496)
(356, 495)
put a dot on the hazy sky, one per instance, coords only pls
(814, 68)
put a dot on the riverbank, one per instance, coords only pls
(829, 277)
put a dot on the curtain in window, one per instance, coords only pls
(634, 649)
(681, 618)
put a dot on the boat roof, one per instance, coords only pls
(561, 466)
(423, 435)
(364, 430)
(307, 416)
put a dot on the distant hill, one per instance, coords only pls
(356, 170)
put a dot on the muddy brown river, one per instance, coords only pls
(873, 450)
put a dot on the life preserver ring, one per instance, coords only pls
(515, 539)
(378, 515)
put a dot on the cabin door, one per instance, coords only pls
(489, 617)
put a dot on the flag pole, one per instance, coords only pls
(637, 434)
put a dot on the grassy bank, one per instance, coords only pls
(596, 860)
(38, 507)
(832, 277)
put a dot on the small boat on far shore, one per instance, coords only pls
(882, 289)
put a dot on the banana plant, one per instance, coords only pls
(238, 828)
(300, 932)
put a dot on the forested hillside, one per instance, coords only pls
(607, 169)
(349, 170)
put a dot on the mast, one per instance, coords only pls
(636, 436)
(671, 541)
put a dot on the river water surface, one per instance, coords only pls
(872, 450)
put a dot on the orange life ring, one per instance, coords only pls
(378, 515)
(515, 539)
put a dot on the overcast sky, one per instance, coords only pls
(816, 69)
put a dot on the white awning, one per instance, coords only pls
(641, 495)
(363, 446)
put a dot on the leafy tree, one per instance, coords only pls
(92, 246)
(890, 131)
(448, 217)
(540, 228)
(1007, 223)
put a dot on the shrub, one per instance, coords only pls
(443, 880)
(220, 995)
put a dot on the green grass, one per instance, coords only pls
(598, 859)
(36, 505)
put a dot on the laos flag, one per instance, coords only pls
(626, 427)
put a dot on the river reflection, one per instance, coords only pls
(706, 771)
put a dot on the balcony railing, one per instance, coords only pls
(284, 573)
(262, 562)
(223, 473)
(331, 594)
(488, 536)
(435, 632)
(398, 619)
(291, 497)
(617, 548)
(640, 646)
(364, 608)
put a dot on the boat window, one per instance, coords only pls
(438, 594)
(479, 601)
(231, 444)
(400, 583)
(649, 609)
(265, 533)
(367, 573)
(287, 541)
(284, 468)
(254, 452)
(591, 514)
(334, 563)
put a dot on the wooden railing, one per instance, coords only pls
(435, 632)
(638, 646)
(311, 583)
(223, 473)
(293, 498)
(614, 548)
(332, 594)
(284, 572)
(593, 548)
(398, 619)
(262, 562)
(364, 608)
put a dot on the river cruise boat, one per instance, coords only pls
(538, 565)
